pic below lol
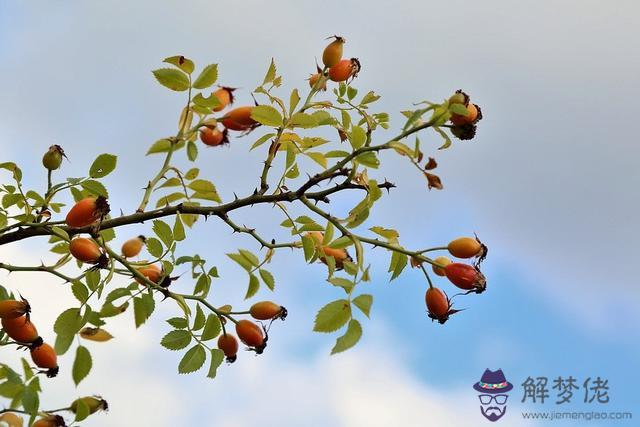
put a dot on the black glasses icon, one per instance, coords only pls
(486, 399)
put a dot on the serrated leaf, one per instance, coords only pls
(267, 278)
(398, 263)
(368, 159)
(192, 151)
(357, 137)
(271, 73)
(176, 339)
(341, 242)
(172, 79)
(81, 365)
(178, 322)
(217, 357)
(178, 229)
(349, 339)
(154, 247)
(333, 316)
(212, 328)
(303, 120)
(95, 187)
(250, 257)
(142, 309)
(79, 291)
(319, 158)
(103, 165)
(293, 100)
(82, 410)
(266, 115)
(254, 285)
(363, 302)
(163, 231)
(192, 360)
(207, 77)
(199, 318)
(69, 322)
(181, 62)
(309, 247)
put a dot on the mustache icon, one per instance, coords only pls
(493, 409)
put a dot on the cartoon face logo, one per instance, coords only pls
(492, 389)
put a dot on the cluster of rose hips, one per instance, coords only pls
(335, 68)
(464, 276)
(90, 210)
(464, 126)
(239, 119)
(92, 403)
(252, 335)
(17, 324)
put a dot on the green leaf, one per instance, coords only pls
(192, 151)
(261, 140)
(368, 159)
(176, 340)
(345, 284)
(319, 158)
(79, 291)
(206, 102)
(459, 109)
(192, 174)
(30, 400)
(69, 322)
(172, 79)
(254, 285)
(95, 187)
(388, 234)
(242, 261)
(62, 344)
(142, 309)
(363, 302)
(181, 62)
(154, 247)
(207, 77)
(217, 356)
(212, 328)
(333, 316)
(349, 339)
(341, 242)
(192, 360)
(266, 115)
(267, 278)
(293, 100)
(271, 73)
(309, 247)
(163, 231)
(178, 322)
(178, 229)
(103, 165)
(351, 92)
(357, 137)
(198, 322)
(81, 365)
(162, 146)
(250, 257)
(369, 98)
(398, 263)
(302, 120)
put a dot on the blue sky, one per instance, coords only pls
(550, 183)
